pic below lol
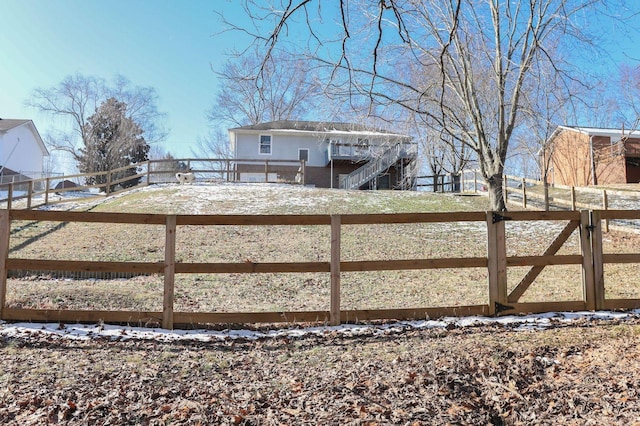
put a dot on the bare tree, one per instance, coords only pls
(482, 51)
(547, 102)
(77, 97)
(441, 154)
(214, 145)
(627, 89)
(252, 91)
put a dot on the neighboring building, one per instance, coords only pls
(22, 151)
(336, 155)
(581, 156)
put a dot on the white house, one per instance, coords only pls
(335, 155)
(22, 151)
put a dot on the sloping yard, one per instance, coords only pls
(581, 372)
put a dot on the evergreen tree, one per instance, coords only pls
(114, 140)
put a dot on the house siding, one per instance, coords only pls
(20, 152)
(611, 170)
(288, 138)
(615, 161)
(571, 164)
(283, 147)
(316, 176)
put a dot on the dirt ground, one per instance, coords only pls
(579, 374)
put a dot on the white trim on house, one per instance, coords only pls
(599, 131)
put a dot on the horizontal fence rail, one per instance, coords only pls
(591, 259)
(59, 189)
(532, 193)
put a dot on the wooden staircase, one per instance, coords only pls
(377, 166)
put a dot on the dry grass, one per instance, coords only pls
(278, 292)
(582, 373)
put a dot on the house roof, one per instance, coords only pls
(315, 127)
(600, 131)
(7, 124)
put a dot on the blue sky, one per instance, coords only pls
(168, 45)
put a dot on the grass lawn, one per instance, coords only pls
(288, 291)
(584, 372)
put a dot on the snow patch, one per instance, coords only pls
(113, 332)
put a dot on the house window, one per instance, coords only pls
(265, 144)
(303, 154)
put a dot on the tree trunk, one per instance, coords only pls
(455, 182)
(496, 194)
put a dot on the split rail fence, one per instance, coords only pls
(587, 223)
(531, 193)
(45, 191)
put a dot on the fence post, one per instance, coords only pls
(588, 284)
(304, 170)
(505, 194)
(598, 262)
(5, 225)
(524, 193)
(497, 262)
(334, 313)
(46, 191)
(10, 196)
(148, 172)
(546, 196)
(475, 181)
(108, 187)
(573, 198)
(169, 272)
(605, 206)
(29, 193)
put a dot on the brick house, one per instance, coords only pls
(581, 156)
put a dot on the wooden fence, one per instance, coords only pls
(43, 191)
(498, 299)
(439, 183)
(531, 193)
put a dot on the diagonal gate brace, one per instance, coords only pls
(533, 273)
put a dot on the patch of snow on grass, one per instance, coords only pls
(517, 323)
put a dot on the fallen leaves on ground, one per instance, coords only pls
(481, 375)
